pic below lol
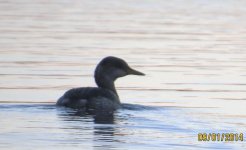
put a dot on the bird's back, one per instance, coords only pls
(90, 98)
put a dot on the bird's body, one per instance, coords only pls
(103, 98)
(90, 98)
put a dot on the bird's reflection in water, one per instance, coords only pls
(102, 124)
(104, 131)
(100, 117)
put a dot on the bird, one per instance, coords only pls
(103, 98)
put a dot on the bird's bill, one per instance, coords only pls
(135, 72)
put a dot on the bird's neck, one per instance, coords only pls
(106, 82)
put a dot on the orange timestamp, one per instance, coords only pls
(220, 137)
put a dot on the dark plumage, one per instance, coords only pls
(104, 97)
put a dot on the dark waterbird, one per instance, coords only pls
(103, 98)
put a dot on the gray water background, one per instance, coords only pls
(192, 52)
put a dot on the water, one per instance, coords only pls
(193, 53)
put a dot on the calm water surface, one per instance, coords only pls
(193, 52)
